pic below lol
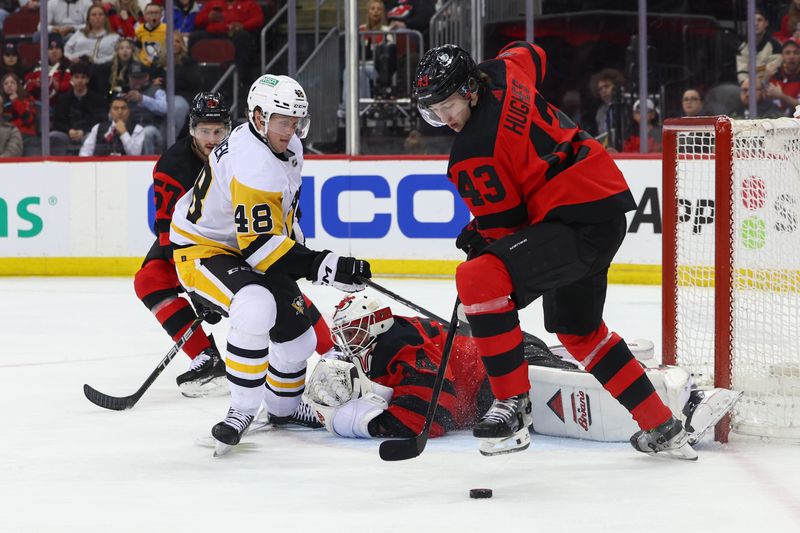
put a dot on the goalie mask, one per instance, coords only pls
(441, 72)
(357, 322)
(278, 95)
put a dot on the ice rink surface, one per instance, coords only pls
(69, 466)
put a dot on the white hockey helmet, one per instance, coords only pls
(278, 94)
(357, 322)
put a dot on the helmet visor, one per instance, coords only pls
(286, 125)
(430, 116)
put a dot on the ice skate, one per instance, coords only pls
(504, 427)
(303, 417)
(668, 439)
(205, 377)
(705, 408)
(229, 432)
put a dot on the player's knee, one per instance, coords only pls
(156, 282)
(253, 310)
(482, 279)
(291, 356)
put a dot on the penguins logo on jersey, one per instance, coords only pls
(299, 305)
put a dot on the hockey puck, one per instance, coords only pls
(480, 493)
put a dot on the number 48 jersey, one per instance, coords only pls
(242, 203)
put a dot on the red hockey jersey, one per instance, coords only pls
(519, 160)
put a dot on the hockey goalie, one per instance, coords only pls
(381, 384)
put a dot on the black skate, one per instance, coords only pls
(303, 416)
(669, 439)
(206, 375)
(229, 432)
(504, 427)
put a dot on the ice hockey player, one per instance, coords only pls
(549, 206)
(233, 249)
(381, 384)
(156, 283)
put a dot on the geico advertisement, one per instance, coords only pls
(392, 209)
(34, 211)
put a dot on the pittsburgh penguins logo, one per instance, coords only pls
(299, 305)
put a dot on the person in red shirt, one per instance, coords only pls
(784, 86)
(58, 71)
(238, 20)
(20, 110)
(549, 206)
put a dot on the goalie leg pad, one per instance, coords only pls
(351, 419)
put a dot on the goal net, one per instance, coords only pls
(731, 264)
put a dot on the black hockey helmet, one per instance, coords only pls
(209, 107)
(442, 71)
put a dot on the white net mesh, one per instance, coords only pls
(765, 260)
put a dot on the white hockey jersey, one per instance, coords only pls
(243, 202)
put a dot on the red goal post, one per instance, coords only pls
(731, 264)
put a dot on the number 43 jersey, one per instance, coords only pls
(242, 203)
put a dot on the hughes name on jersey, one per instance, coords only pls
(520, 160)
(244, 203)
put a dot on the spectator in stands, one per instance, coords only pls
(118, 135)
(124, 15)
(148, 106)
(95, 41)
(238, 20)
(768, 51)
(186, 69)
(185, 11)
(66, 17)
(376, 21)
(790, 23)
(691, 102)
(11, 62)
(113, 75)
(76, 112)
(411, 14)
(784, 86)
(151, 36)
(10, 137)
(605, 85)
(20, 110)
(765, 107)
(58, 71)
(633, 142)
(6, 8)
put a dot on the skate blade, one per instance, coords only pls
(221, 449)
(713, 409)
(518, 442)
(209, 389)
(208, 441)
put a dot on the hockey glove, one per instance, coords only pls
(470, 241)
(343, 273)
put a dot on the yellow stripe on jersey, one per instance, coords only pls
(204, 244)
(258, 215)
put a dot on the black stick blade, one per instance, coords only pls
(401, 449)
(108, 402)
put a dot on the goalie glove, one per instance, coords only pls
(344, 399)
(343, 273)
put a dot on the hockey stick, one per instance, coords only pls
(528, 337)
(402, 449)
(116, 403)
